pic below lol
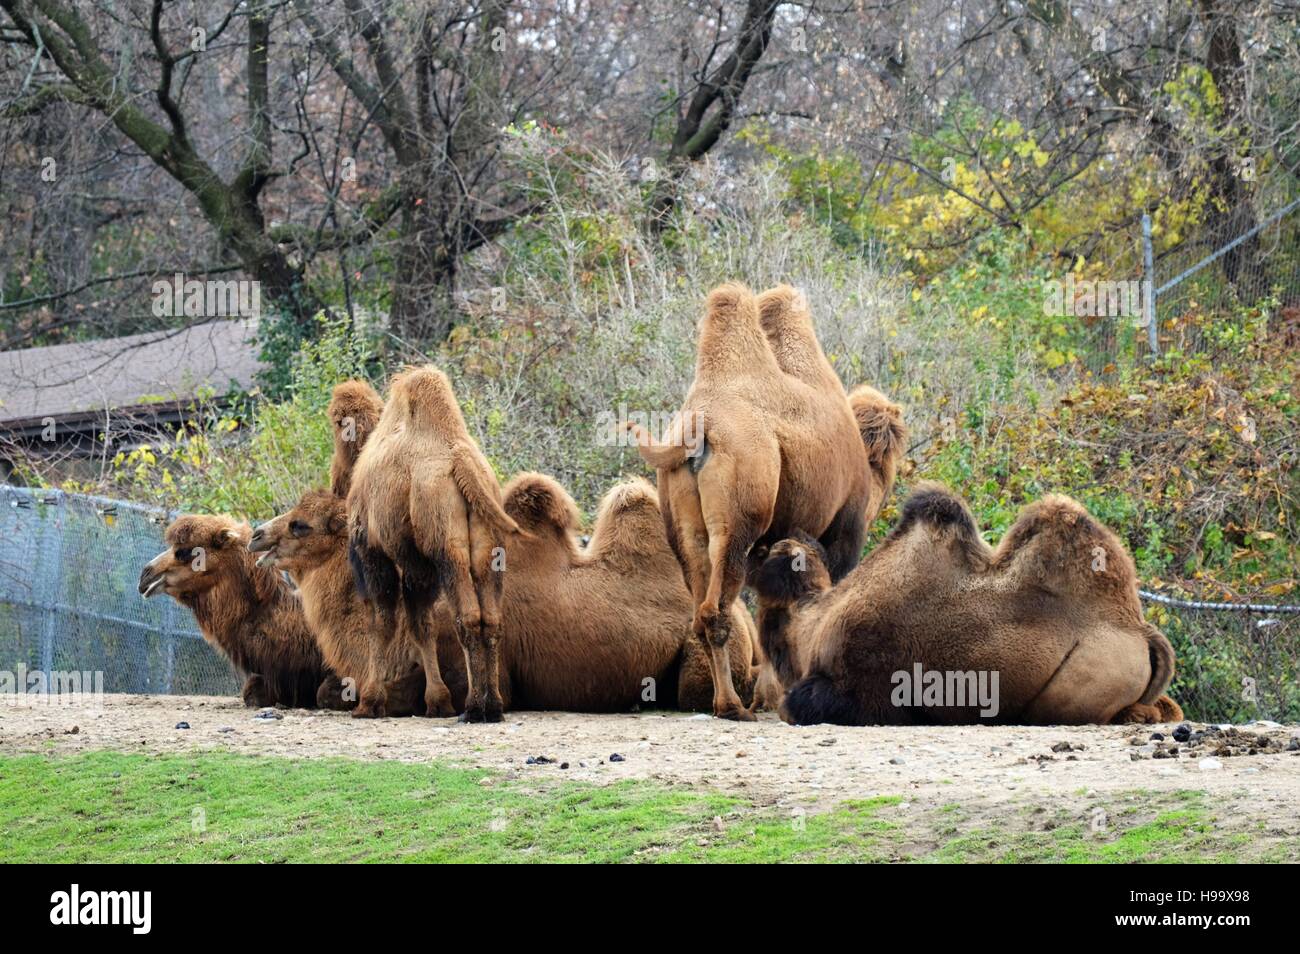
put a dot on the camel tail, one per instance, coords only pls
(1169, 710)
(659, 456)
(880, 422)
(1162, 666)
(479, 486)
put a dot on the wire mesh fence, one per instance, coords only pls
(1241, 260)
(68, 601)
(1236, 661)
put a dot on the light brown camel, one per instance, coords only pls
(1053, 612)
(603, 628)
(778, 456)
(354, 411)
(425, 518)
(247, 613)
(400, 676)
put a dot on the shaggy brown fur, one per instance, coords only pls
(248, 613)
(1053, 610)
(602, 628)
(597, 629)
(779, 455)
(310, 543)
(354, 413)
(425, 518)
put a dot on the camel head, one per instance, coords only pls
(542, 508)
(304, 537)
(200, 551)
(794, 568)
(354, 411)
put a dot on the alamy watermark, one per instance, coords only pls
(1086, 298)
(940, 688)
(628, 428)
(57, 687)
(181, 298)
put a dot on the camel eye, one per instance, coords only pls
(298, 528)
(184, 555)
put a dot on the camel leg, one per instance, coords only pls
(257, 692)
(421, 583)
(437, 697)
(843, 539)
(469, 633)
(488, 568)
(736, 513)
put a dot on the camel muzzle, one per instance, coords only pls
(151, 582)
(261, 542)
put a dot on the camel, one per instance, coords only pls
(310, 543)
(248, 613)
(599, 628)
(778, 455)
(425, 517)
(1053, 611)
(354, 411)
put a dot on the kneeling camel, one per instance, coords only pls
(1053, 611)
(247, 613)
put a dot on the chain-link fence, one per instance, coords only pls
(1238, 261)
(1236, 661)
(68, 602)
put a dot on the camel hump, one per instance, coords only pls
(935, 505)
(776, 304)
(535, 500)
(1162, 670)
(479, 487)
(1058, 543)
(355, 398)
(628, 522)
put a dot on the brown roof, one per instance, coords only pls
(67, 379)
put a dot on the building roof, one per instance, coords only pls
(136, 371)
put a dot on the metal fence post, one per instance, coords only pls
(1149, 288)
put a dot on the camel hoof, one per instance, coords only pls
(439, 710)
(473, 714)
(493, 714)
(368, 712)
(737, 714)
(256, 693)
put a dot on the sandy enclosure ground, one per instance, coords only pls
(991, 769)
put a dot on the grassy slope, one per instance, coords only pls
(112, 807)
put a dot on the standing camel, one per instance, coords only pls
(777, 455)
(425, 518)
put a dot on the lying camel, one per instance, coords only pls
(354, 413)
(604, 627)
(248, 613)
(310, 543)
(778, 455)
(425, 518)
(1053, 611)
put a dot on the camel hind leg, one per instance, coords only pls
(842, 540)
(488, 569)
(736, 504)
(421, 583)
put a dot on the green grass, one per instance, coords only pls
(222, 807)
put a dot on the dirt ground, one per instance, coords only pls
(986, 768)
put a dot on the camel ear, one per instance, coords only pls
(337, 523)
(226, 538)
